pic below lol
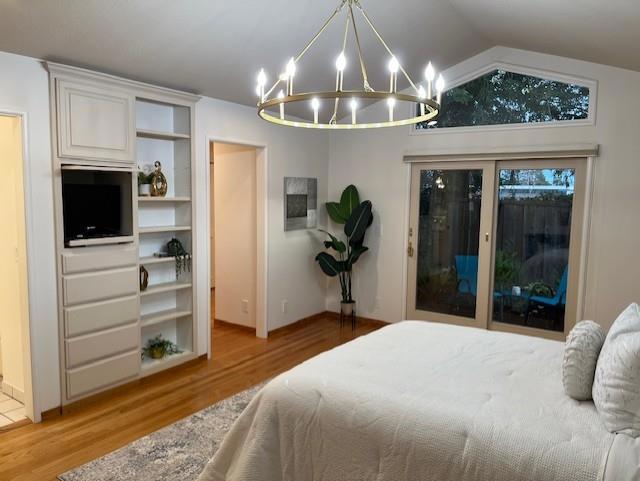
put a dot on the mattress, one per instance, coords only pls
(418, 401)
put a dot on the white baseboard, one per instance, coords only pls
(12, 392)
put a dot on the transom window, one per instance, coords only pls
(501, 97)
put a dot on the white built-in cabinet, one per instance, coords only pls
(95, 122)
(106, 123)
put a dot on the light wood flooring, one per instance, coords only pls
(39, 452)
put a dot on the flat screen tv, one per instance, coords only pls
(91, 211)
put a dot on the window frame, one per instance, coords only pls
(592, 85)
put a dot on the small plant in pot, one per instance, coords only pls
(144, 182)
(158, 348)
(356, 217)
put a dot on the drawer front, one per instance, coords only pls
(102, 374)
(100, 315)
(92, 347)
(82, 288)
(92, 259)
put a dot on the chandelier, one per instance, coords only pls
(273, 102)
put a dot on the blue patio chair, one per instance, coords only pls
(467, 273)
(556, 301)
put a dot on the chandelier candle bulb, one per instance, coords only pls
(262, 81)
(354, 107)
(291, 72)
(393, 68)
(422, 95)
(315, 105)
(439, 88)
(341, 63)
(429, 75)
(281, 96)
(391, 103)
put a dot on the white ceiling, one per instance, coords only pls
(216, 48)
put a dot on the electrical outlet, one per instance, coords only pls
(285, 306)
(245, 306)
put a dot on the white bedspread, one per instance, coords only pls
(418, 401)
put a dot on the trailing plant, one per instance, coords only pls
(158, 347)
(182, 257)
(356, 217)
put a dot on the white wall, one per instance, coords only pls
(24, 87)
(234, 202)
(373, 161)
(292, 272)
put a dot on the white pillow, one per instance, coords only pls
(616, 388)
(580, 357)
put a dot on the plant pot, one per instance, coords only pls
(157, 353)
(347, 308)
(144, 189)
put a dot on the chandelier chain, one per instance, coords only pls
(384, 44)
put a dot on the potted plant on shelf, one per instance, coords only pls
(356, 217)
(158, 348)
(144, 182)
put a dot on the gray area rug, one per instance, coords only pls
(178, 452)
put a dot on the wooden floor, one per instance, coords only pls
(39, 452)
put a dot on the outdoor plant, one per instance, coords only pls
(356, 217)
(157, 348)
(507, 268)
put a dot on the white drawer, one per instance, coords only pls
(102, 374)
(92, 347)
(97, 316)
(97, 286)
(96, 258)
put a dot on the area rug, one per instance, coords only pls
(178, 452)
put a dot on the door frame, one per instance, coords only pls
(262, 231)
(31, 395)
(587, 151)
(481, 318)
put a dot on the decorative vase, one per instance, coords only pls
(144, 190)
(144, 279)
(158, 182)
(348, 313)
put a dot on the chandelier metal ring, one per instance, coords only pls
(426, 107)
(431, 109)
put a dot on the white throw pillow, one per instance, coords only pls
(581, 351)
(616, 388)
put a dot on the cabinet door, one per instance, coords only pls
(95, 122)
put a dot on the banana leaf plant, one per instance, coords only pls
(356, 217)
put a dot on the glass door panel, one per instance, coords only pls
(446, 243)
(533, 244)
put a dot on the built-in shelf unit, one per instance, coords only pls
(102, 122)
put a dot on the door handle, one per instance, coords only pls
(486, 237)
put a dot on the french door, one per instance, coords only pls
(496, 244)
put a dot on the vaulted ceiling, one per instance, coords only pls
(215, 47)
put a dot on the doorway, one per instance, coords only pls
(234, 220)
(496, 244)
(16, 401)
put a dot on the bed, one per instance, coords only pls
(418, 401)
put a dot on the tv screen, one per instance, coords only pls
(91, 211)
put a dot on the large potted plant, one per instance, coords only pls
(356, 217)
